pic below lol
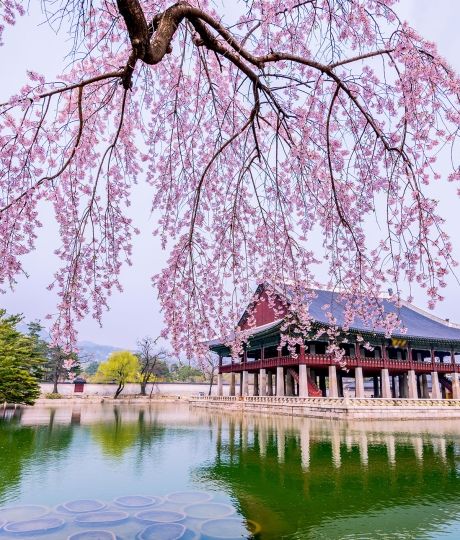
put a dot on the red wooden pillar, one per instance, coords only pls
(432, 355)
(357, 349)
(302, 354)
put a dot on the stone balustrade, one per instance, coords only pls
(335, 402)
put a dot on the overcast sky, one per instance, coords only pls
(135, 312)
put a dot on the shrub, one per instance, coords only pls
(53, 395)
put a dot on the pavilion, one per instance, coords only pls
(418, 364)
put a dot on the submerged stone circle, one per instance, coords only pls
(34, 526)
(182, 515)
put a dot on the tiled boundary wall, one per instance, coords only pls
(352, 408)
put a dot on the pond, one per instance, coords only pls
(168, 471)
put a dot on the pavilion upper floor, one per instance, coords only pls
(429, 344)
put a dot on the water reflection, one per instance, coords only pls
(297, 478)
(118, 436)
(307, 478)
(23, 446)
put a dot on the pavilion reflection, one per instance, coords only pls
(238, 434)
(309, 473)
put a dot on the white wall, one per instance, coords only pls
(168, 389)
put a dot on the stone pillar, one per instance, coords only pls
(333, 386)
(255, 384)
(393, 386)
(270, 384)
(435, 390)
(219, 385)
(386, 389)
(303, 381)
(232, 385)
(245, 383)
(340, 383)
(424, 387)
(376, 386)
(263, 382)
(403, 386)
(280, 381)
(322, 384)
(412, 384)
(455, 386)
(359, 382)
(289, 384)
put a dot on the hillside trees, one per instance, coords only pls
(256, 129)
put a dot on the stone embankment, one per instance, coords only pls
(349, 408)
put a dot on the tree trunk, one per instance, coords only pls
(55, 386)
(143, 387)
(119, 390)
(211, 381)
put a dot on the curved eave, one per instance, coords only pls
(261, 332)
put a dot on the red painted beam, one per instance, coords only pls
(324, 360)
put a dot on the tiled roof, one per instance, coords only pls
(417, 322)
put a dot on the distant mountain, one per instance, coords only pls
(88, 350)
(94, 352)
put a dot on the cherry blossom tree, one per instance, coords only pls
(257, 129)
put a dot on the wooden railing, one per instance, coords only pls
(323, 360)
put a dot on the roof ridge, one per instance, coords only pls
(445, 322)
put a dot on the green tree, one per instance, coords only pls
(120, 367)
(35, 331)
(60, 366)
(21, 362)
(161, 371)
(185, 373)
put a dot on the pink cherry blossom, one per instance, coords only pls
(255, 133)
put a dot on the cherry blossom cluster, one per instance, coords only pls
(9, 11)
(264, 132)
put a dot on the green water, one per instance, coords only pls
(296, 478)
